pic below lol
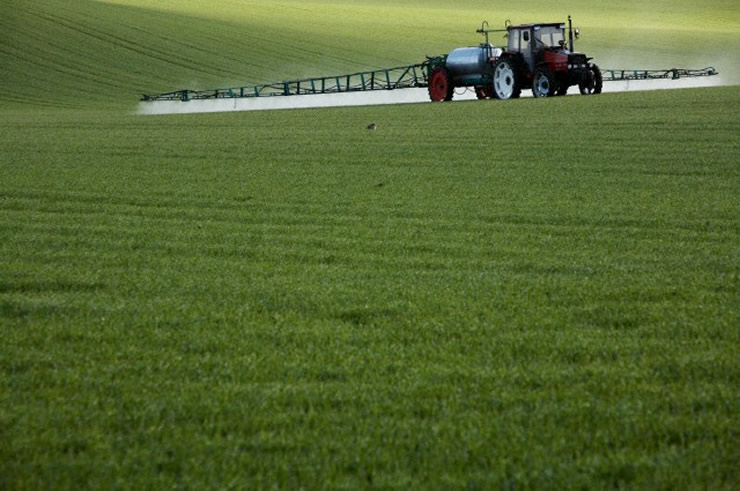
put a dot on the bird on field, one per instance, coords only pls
(372, 126)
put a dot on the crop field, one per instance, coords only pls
(481, 295)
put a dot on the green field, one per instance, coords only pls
(481, 295)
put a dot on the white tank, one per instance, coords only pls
(471, 61)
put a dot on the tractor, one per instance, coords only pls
(537, 57)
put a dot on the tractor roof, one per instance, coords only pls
(527, 26)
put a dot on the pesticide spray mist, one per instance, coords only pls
(400, 96)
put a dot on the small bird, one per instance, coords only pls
(372, 126)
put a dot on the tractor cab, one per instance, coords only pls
(539, 57)
(549, 36)
(531, 41)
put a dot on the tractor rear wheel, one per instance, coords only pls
(484, 92)
(544, 84)
(506, 80)
(440, 85)
(595, 83)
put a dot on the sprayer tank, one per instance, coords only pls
(471, 61)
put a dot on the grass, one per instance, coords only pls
(285, 298)
(533, 294)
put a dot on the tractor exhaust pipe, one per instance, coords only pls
(570, 35)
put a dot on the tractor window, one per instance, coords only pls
(550, 36)
(514, 40)
(525, 41)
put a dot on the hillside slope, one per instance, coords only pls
(90, 52)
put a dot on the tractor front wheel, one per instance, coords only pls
(440, 85)
(544, 84)
(505, 80)
(594, 83)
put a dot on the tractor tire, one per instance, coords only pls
(506, 84)
(594, 85)
(484, 92)
(440, 85)
(544, 84)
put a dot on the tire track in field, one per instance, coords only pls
(303, 235)
(34, 57)
(281, 234)
(287, 47)
(149, 52)
(136, 48)
(196, 27)
(77, 65)
(81, 58)
(111, 233)
(84, 67)
(294, 214)
(75, 234)
(191, 46)
(62, 68)
(323, 48)
(14, 97)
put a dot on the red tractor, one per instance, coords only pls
(537, 57)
